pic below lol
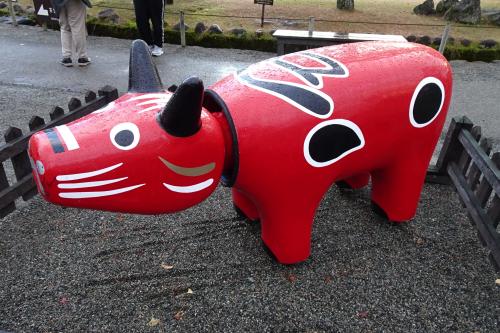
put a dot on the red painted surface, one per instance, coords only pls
(276, 183)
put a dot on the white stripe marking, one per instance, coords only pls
(77, 176)
(85, 195)
(108, 107)
(189, 189)
(151, 96)
(91, 184)
(68, 137)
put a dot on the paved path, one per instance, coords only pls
(29, 56)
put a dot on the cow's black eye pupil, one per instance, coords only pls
(124, 138)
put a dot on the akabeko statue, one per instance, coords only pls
(279, 133)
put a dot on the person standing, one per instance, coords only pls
(72, 19)
(146, 11)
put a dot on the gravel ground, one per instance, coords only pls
(65, 270)
(75, 270)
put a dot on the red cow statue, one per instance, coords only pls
(280, 133)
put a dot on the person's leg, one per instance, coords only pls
(77, 15)
(142, 21)
(66, 38)
(157, 13)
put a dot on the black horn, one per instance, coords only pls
(142, 73)
(181, 115)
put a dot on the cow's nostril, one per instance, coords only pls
(40, 168)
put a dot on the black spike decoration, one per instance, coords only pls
(142, 73)
(181, 115)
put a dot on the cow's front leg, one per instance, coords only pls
(286, 227)
(243, 205)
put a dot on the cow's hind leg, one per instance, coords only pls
(354, 182)
(244, 206)
(396, 189)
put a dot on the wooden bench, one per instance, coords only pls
(324, 38)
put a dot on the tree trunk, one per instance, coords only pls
(345, 4)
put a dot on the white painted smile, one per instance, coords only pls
(190, 189)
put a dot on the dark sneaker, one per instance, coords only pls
(84, 62)
(66, 62)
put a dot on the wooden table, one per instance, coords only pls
(323, 38)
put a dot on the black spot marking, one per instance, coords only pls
(427, 103)
(331, 141)
(310, 100)
(124, 138)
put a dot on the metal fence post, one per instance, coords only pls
(311, 25)
(182, 29)
(12, 14)
(444, 38)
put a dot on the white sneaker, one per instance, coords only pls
(157, 51)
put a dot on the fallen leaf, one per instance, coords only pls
(166, 267)
(63, 300)
(328, 279)
(292, 278)
(363, 314)
(497, 281)
(190, 291)
(119, 217)
(178, 315)
(153, 322)
(419, 241)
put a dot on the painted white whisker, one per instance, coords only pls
(90, 184)
(97, 194)
(190, 189)
(77, 176)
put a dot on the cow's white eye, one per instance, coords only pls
(125, 136)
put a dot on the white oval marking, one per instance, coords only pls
(68, 137)
(125, 127)
(77, 176)
(342, 122)
(189, 189)
(422, 83)
(86, 195)
(91, 184)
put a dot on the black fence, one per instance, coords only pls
(16, 145)
(466, 161)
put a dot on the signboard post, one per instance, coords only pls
(263, 3)
(44, 11)
(12, 14)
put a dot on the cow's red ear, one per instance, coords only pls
(142, 72)
(181, 115)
